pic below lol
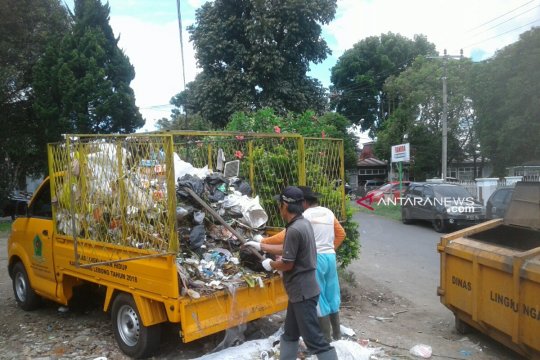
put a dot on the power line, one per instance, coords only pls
(504, 33)
(500, 16)
(507, 20)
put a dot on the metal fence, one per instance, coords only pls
(119, 191)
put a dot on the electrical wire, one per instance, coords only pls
(507, 20)
(500, 16)
(504, 33)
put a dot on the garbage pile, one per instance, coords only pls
(214, 215)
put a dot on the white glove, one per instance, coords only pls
(258, 238)
(266, 264)
(254, 244)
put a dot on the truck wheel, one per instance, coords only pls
(25, 296)
(439, 224)
(133, 338)
(461, 326)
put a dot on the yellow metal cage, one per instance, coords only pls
(118, 192)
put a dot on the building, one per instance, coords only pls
(368, 167)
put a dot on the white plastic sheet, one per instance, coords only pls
(253, 215)
(182, 168)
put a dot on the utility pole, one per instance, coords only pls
(444, 118)
(179, 13)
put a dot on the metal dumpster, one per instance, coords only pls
(490, 274)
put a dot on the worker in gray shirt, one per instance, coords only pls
(298, 265)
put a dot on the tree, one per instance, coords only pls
(505, 94)
(81, 85)
(183, 121)
(26, 27)
(256, 54)
(360, 73)
(417, 90)
(308, 124)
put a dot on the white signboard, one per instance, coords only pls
(401, 153)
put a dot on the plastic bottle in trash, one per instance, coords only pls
(267, 354)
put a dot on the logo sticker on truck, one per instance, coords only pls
(38, 245)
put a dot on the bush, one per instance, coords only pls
(350, 248)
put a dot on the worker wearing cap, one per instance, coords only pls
(329, 234)
(298, 264)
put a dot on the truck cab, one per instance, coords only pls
(31, 261)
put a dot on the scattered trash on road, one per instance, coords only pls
(421, 350)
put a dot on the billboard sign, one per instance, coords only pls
(401, 153)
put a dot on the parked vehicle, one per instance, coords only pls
(114, 214)
(444, 205)
(498, 202)
(16, 205)
(490, 274)
(350, 192)
(372, 185)
(390, 191)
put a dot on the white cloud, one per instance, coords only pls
(152, 42)
(154, 51)
(448, 24)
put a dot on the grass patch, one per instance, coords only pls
(388, 211)
(5, 227)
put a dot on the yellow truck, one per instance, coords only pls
(108, 215)
(490, 274)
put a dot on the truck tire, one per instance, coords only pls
(133, 338)
(25, 296)
(439, 224)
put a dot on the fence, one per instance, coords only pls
(482, 188)
(117, 191)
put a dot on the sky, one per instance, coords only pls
(149, 35)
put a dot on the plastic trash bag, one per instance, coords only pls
(254, 215)
(182, 168)
(232, 205)
(421, 350)
(189, 181)
(197, 237)
(242, 187)
(198, 217)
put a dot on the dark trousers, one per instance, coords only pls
(301, 320)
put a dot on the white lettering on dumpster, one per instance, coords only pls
(462, 283)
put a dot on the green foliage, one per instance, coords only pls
(255, 54)
(5, 228)
(350, 248)
(180, 122)
(506, 100)
(81, 85)
(419, 112)
(360, 73)
(388, 211)
(26, 27)
(308, 124)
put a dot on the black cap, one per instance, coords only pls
(308, 193)
(290, 195)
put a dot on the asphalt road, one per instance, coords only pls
(404, 260)
(402, 257)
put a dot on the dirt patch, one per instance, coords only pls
(371, 309)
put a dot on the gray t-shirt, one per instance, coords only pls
(299, 247)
